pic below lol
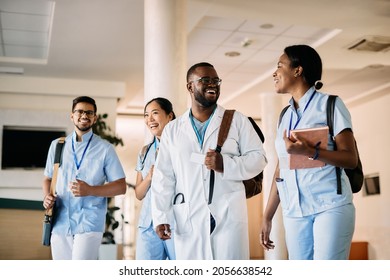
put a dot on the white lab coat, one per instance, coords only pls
(179, 169)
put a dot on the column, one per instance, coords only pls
(271, 105)
(165, 63)
(166, 51)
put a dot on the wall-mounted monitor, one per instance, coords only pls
(27, 147)
(371, 184)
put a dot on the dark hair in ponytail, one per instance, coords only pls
(308, 58)
(165, 104)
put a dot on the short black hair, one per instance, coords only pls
(85, 99)
(193, 67)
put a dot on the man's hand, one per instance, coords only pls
(163, 231)
(79, 188)
(214, 161)
(48, 201)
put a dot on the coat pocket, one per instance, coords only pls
(183, 224)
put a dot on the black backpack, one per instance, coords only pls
(254, 185)
(355, 175)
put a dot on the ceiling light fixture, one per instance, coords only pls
(267, 26)
(376, 66)
(11, 70)
(232, 54)
(246, 42)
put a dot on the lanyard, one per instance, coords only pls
(299, 117)
(78, 164)
(203, 129)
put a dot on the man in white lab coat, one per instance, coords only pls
(206, 227)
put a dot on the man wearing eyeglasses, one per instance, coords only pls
(90, 171)
(208, 225)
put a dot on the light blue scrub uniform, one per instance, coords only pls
(149, 245)
(319, 223)
(94, 161)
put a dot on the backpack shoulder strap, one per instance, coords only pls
(257, 129)
(330, 104)
(57, 163)
(224, 128)
(282, 113)
(330, 113)
(58, 153)
(222, 135)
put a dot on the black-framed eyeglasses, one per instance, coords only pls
(208, 80)
(79, 113)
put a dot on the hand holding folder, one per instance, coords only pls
(314, 137)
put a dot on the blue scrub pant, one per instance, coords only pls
(322, 236)
(151, 247)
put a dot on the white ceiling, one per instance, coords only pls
(103, 40)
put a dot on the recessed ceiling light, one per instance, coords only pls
(376, 66)
(232, 54)
(267, 26)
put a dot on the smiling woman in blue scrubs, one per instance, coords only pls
(319, 223)
(157, 113)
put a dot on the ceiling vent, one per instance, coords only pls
(371, 44)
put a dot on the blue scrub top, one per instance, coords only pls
(100, 165)
(309, 191)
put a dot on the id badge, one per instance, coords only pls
(197, 158)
